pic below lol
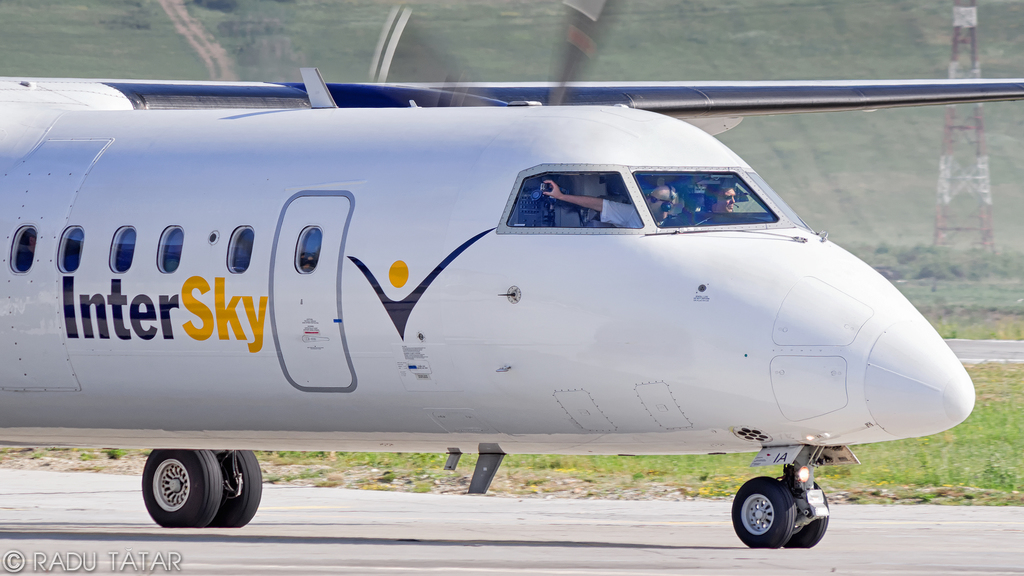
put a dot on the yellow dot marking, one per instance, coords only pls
(399, 274)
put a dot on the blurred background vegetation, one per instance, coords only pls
(867, 178)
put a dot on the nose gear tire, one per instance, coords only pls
(763, 513)
(812, 533)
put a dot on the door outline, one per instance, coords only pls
(341, 260)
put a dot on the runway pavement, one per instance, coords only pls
(978, 351)
(333, 531)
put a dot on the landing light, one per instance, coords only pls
(810, 438)
(804, 474)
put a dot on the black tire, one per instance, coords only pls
(238, 511)
(182, 488)
(763, 513)
(812, 533)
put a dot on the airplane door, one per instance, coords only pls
(36, 196)
(305, 301)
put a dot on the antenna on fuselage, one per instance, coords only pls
(316, 89)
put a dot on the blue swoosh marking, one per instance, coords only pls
(400, 310)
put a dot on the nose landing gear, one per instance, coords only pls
(202, 488)
(790, 511)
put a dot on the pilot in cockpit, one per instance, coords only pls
(614, 213)
(665, 207)
(723, 202)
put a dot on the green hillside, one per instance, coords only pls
(867, 178)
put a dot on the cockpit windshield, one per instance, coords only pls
(689, 199)
(574, 200)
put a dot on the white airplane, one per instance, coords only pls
(208, 269)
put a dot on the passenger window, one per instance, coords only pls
(24, 249)
(71, 243)
(574, 200)
(169, 252)
(240, 249)
(688, 199)
(122, 249)
(307, 251)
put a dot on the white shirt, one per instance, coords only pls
(621, 215)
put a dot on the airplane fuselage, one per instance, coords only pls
(430, 322)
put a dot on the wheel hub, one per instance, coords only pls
(171, 485)
(757, 514)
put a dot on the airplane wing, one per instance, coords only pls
(677, 99)
(717, 99)
(712, 106)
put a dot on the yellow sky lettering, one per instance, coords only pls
(255, 321)
(193, 305)
(226, 315)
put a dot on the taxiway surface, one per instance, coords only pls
(978, 351)
(332, 531)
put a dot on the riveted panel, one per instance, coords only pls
(580, 406)
(657, 398)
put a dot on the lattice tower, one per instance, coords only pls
(965, 136)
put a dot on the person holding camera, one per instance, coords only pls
(614, 213)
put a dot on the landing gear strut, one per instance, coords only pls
(790, 511)
(202, 488)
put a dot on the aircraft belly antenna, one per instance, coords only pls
(316, 88)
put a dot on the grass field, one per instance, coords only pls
(964, 293)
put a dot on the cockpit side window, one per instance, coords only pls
(690, 199)
(779, 202)
(574, 200)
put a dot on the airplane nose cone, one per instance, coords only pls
(914, 384)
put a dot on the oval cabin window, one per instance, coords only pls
(307, 252)
(71, 243)
(169, 253)
(24, 250)
(240, 249)
(122, 250)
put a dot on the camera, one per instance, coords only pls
(546, 187)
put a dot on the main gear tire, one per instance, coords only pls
(182, 488)
(237, 511)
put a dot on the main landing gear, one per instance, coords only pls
(202, 488)
(790, 511)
